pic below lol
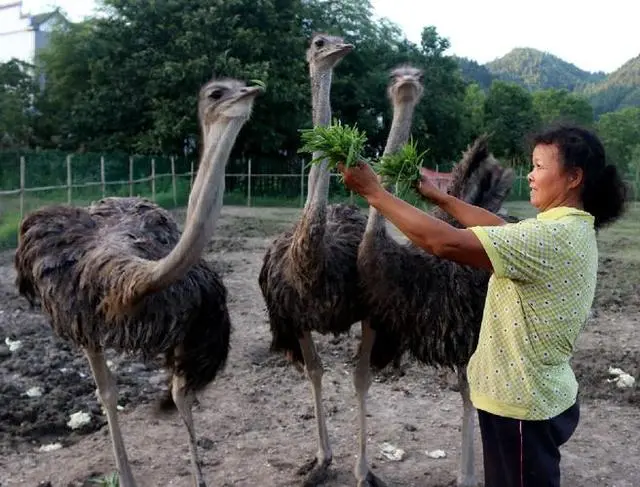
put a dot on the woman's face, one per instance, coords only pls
(550, 184)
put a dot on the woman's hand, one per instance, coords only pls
(360, 179)
(426, 186)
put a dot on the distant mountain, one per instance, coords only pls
(474, 72)
(537, 70)
(621, 89)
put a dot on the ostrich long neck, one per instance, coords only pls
(307, 258)
(319, 176)
(398, 135)
(204, 210)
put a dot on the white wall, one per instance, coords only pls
(18, 44)
(10, 19)
(15, 38)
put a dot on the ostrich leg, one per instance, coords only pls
(362, 382)
(466, 474)
(184, 403)
(316, 469)
(108, 393)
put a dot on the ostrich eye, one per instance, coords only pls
(319, 43)
(215, 94)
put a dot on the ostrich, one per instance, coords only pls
(428, 306)
(309, 277)
(119, 274)
(404, 91)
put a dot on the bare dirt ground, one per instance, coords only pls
(255, 423)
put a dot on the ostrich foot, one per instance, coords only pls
(371, 481)
(315, 472)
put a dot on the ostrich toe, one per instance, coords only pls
(371, 481)
(315, 472)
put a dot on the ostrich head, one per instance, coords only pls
(405, 84)
(404, 90)
(326, 51)
(223, 100)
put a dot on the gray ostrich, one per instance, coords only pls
(309, 277)
(119, 274)
(428, 306)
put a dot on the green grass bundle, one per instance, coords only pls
(336, 142)
(259, 82)
(401, 169)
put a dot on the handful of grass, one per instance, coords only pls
(402, 168)
(259, 82)
(336, 142)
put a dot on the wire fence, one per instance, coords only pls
(30, 180)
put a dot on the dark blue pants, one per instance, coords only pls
(524, 453)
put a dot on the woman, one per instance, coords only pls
(539, 295)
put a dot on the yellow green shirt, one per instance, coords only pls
(538, 299)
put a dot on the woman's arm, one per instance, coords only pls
(433, 235)
(468, 215)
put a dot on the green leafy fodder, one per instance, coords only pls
(336, 142)
(258, 82)
(401, 169)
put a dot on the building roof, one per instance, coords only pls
(39, 19)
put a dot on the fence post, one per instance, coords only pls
(69, 179)
(173, 181)
(249, 183)
(153, 179)
(102, 180)
(637, 188)
(520, 185)
(130, 176)
(23, 170)
(301, 183)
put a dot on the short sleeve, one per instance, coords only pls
(520, 251)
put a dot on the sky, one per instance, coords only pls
(593, 37)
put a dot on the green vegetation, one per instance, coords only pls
(401, 169)
(106, 481)
(115, 87)
(536, 70)
(620, 90)
(336, 142)
(539, 71)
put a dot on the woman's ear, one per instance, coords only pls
(576, 176)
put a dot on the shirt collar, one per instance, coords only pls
(563, 211)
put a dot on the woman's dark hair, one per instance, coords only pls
(604, 194)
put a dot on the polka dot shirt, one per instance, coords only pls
(538, 299)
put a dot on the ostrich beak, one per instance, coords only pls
(405, 81)
(338, 51)
(342, 48)
(250, 91)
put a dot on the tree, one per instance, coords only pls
(620, 133)
(128, 80)
(17, 92)
(560, 105)
(474, 100)
(510, 117)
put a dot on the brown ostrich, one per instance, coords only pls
(119, 274)
(428, 306)
(309, 277)
(404, 91)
